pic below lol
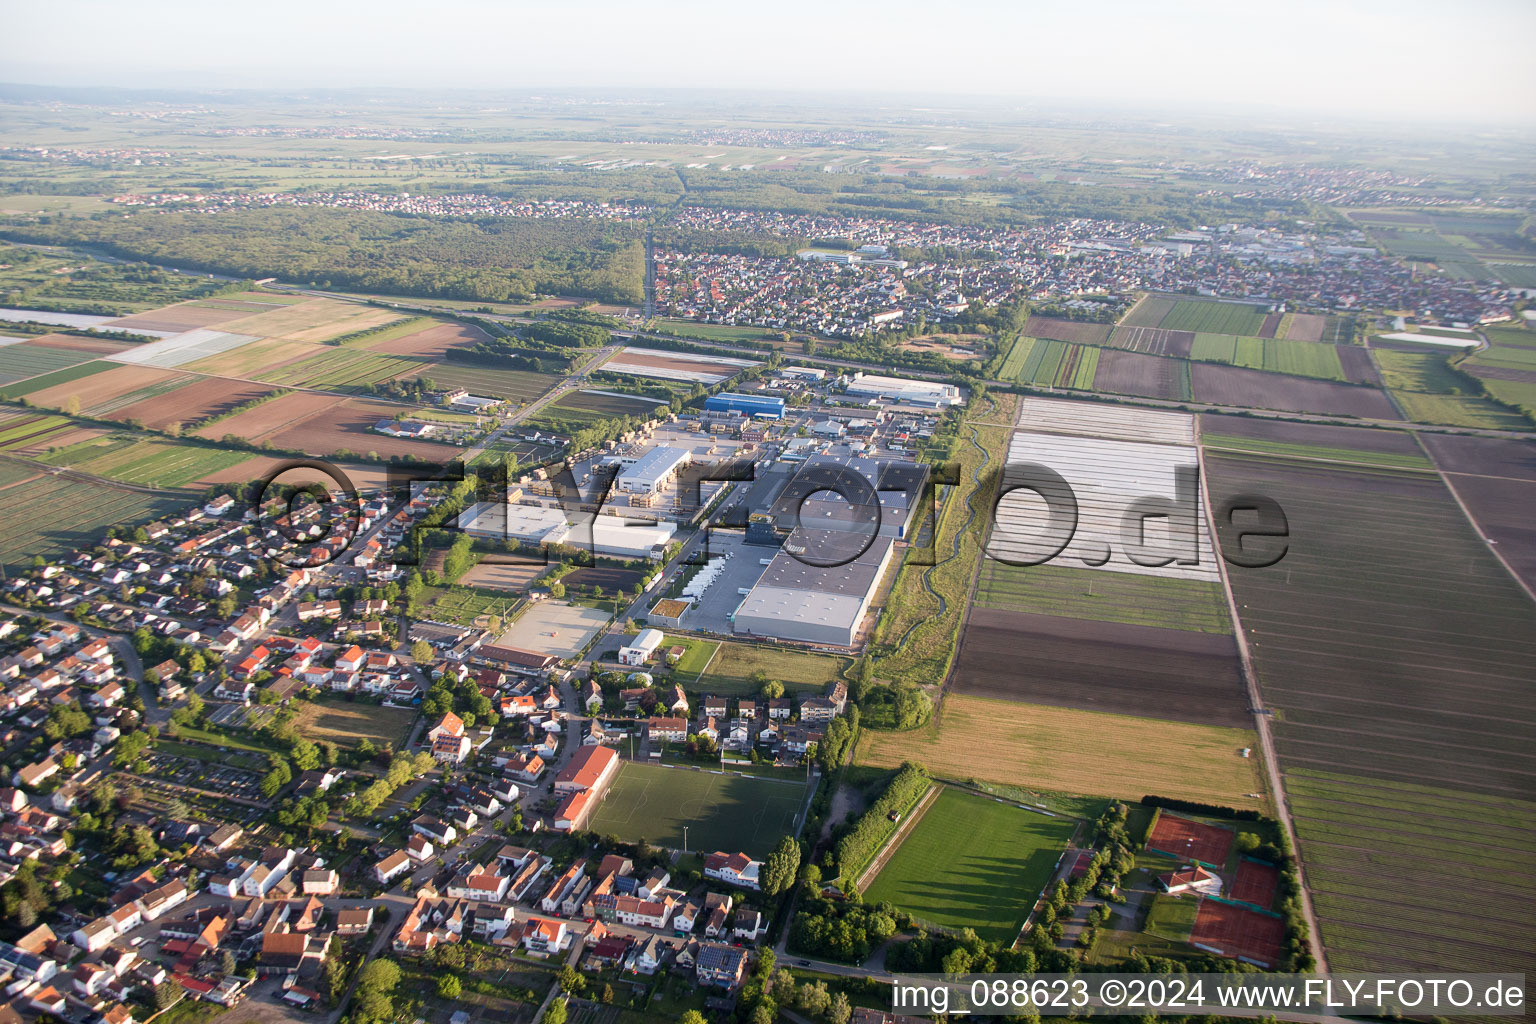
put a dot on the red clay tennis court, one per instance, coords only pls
(1255, 883)
(1234, 931)
(1194, 840)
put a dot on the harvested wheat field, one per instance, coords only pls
(185, 316)
(75, 343)
(431, 342)
(255, 358)
(313, 321)
(1063, 750)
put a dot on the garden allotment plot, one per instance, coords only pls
(722, 811)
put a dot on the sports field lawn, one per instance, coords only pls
(1070, 751)
(721, 811)
(730, 671)
(699, 653)
(972, 862)
(1196, 605)
(347, 723)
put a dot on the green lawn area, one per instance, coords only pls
(972, 862)
(214, 738)
(730, 671)
(1104, 596)
(1172, 917)
(699, 653)
(721, 812)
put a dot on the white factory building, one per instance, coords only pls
(900, 389)
(815, 603)
(534, 525)
(653, 470)
(639, 652)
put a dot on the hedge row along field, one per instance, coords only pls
(872, 828)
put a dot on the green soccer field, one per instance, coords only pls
(722, 812)
(972, 862)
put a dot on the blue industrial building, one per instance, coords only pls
(751, 405)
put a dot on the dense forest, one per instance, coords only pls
(493, 260)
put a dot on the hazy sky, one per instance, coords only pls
(1461, 60)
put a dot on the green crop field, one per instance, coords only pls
(730, 671)
(47, 380)
(342, 369)
(51, 516)
(1516, 275)
(721, 811)
(698, 654)
(1052, 364)
(712, 332)
(1214, 317)
(1264, 446)
(515, 385)
(1419, 371)
(1457, 411)
(19, 362)
(152, 463)
(1510, 347)
(972, 862)
(1518, 393)
(31, 430)
(1104, 596)
(1301, 358)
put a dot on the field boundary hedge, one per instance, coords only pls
(870, 832)
(1196, 807)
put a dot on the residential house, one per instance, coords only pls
(733, 869)
(720, 965)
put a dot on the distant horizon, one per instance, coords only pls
(845, 100)
(1368, 60)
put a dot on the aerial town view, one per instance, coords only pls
(518, 514)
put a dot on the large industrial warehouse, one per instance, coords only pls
(811, 593)
(900, 389)
(653, 470)
(534, 525)
(766, 406)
